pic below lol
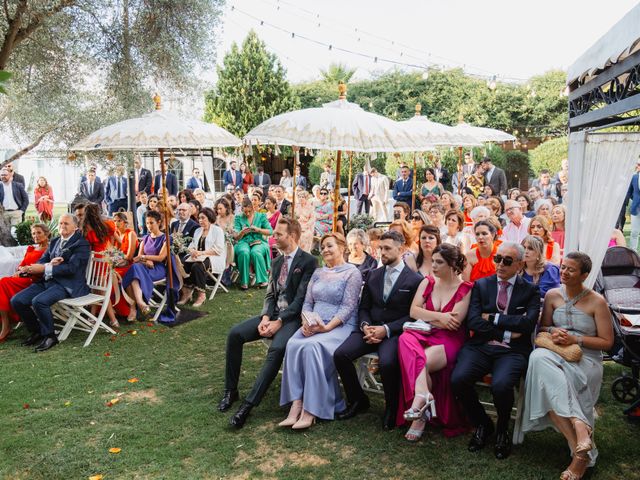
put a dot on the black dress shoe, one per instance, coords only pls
(389, 419)
(48, 342)
(359, 406)
(502, 448)
(239, 418)
(480, 436)
(33, 339)
(228, 397)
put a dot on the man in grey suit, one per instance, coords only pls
(92, 189)
(494, 176)
(279, 320)
(361, 190)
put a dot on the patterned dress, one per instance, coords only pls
(309, 372)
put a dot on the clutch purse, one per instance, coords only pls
(571, 353)
(418, 326)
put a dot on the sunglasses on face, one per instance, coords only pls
(324, 193)
(416, 218)
(506, 261)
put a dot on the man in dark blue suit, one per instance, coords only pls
(63, 268)
(185, 224)
(196, 181)
(261, 179)
(171, 182)
(232, 176)
(633, 194)
(301, 180)
(503, 313)
(402, 189)
(92, 189)
(384, 308)
(116, 191)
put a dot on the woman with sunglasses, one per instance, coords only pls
(541, 227)
(324, 213)
(428, 240)
(480, 259)
(419, 219)
(537, 270)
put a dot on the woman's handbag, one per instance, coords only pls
(571, 353)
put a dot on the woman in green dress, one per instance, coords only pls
(252, 247)
(431, 186)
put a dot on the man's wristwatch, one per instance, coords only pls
(362, 325)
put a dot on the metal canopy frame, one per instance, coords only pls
(607, 99)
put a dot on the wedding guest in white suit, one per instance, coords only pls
(379, 196)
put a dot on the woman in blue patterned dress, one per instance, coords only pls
(324, 213)
(330, 311)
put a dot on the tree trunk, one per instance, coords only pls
(28, 148)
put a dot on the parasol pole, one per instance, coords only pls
(166, 221)
(163, 189)
(415, 182)
(296, 157)
(349, 189)
(342, 90)
(459, 164)
(336, 192)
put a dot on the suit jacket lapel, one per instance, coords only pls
(493, 292)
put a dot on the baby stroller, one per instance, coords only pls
(619, 282)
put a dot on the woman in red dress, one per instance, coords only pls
(427, 358)
(43, 196)
(96, 230)
(247, 177)
(9, 286)
(127, 242)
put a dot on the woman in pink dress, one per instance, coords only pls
(427, 355)
(273, 215)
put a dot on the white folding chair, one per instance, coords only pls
(158, 298)
(76, 313)
(216, 278)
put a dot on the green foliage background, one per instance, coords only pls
(549, 155)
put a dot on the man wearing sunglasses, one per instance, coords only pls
(503, 313)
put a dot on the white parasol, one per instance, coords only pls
(339, 125)
(438, 134)
(484, 134)
(158, 130)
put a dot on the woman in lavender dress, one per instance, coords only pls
(309, 381)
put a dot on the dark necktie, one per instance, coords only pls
(284, 271)
(63, 243)
(502, 295)
(118, 180)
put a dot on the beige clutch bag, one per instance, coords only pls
(571, 353)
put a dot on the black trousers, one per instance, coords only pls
(354, 347)
(247, 331)
(363, 204)
(197, 274)
(506, 368)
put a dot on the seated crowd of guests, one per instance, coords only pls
(438, 327)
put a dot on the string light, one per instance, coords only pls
(375, 58)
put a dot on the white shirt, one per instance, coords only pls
(490, 173)
(9, 203)
(515, 233)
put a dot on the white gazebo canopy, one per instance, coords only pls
(614, 46)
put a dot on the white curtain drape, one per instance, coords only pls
(600, 168)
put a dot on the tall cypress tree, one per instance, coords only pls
(251, 88)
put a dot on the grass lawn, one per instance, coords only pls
(56, 423)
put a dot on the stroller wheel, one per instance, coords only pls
(625, 389)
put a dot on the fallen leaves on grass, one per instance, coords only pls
(133, 380)
(67, 404)
(112, 402)
(96, 477)
(25, 406)
(115, 450)
(107, 354)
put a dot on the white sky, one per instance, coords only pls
(512, 39)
